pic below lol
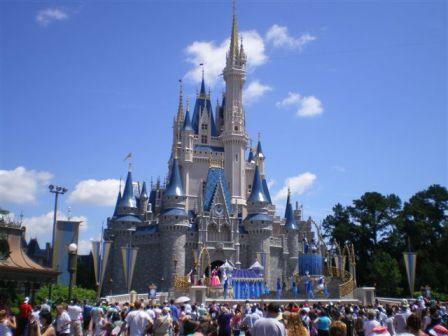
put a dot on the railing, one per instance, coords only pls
(348, 286)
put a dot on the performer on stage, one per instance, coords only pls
(306, 246)
(322, 286)
(313, 246)
(226, 287)
(266, 288)
(309, 286)
(295, 291)
(279, 289)
(214, 281)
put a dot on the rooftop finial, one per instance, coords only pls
(180, 109)
(233, 51)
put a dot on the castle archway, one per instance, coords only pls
(216, 263)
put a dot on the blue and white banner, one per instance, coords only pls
(100, 252)
(129, 257)
(410, 261)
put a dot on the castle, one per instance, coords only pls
(216, 197)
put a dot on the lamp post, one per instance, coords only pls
(56, 190)
(72, 255)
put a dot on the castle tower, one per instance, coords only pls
(258, 222)
(127, 204)
(143, 202)
(292, 235)
(234, 136)
(173, 227)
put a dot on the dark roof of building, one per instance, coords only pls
(174, 187)
(266, 191)
(203, 101)
(141, 230)
(258, 217)
(290, 222)
(215, 177)
(144, 193)
(259, 149)
(129, 218)
(205, 148)
(128, 200)
(187, 122)
(174, 212)
(238, 274)
(257, 194)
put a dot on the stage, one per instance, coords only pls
(284, 301)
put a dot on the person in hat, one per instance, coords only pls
(23, 318)
(401, 317)
(370, 323)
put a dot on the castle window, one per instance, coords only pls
(204, 139)
(204, 126)
(236, 128)
(236, 157)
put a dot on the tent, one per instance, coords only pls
(247, 284)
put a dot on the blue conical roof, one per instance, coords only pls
(257, 194)
(144, 193)
(290, 222)
(117, 203)
(128, 199)
(251, 156)
(266, 190)
(202, 92)
(259, 149)
(174, 187)
(187, 122)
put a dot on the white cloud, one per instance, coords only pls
(21, 185)
(214, 56)
(96, 192)
(279, 37)
(41, 227)
(306, 106)
(48, 15)
(271, 183)
(254, 91)
(298, 185)
(84, 246)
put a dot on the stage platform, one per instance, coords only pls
(284, 301)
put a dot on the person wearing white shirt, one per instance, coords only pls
(75, 313)
(62, 321)
(370, 323)
(138, 320)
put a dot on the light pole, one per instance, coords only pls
(56, 190)
(72, 263)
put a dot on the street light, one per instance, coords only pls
(56, 190)
(72, 255)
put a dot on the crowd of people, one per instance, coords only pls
(421, 318)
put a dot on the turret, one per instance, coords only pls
(292, 235)
(143, 202)
(173, 226)
(128, 203)
(258, 221)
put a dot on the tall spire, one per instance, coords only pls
(290, 222)
(144, 193)
(233, 50)
(174, 187)
(202, 92)
(128, 199)
(187, 122)
(257, 194)
(180, 108)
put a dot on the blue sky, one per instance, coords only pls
(348, 96)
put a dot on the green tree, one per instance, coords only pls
(338, 225)
(385, 274)
(59, 294)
